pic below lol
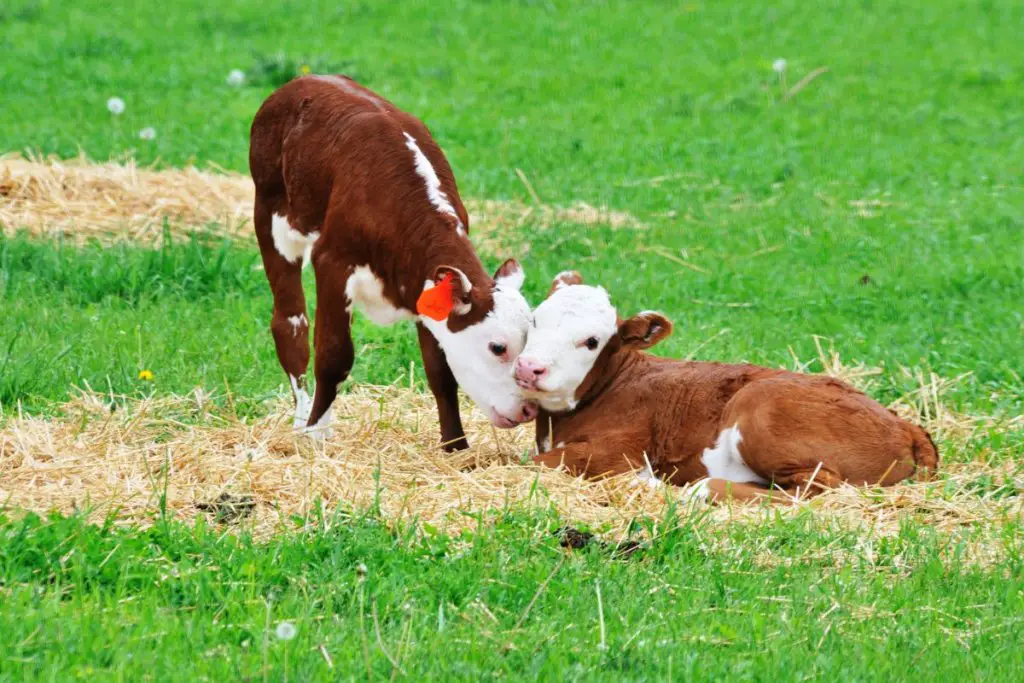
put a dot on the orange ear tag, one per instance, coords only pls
(436, 302)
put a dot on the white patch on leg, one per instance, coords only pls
(297, 321)
(724, 460)
(366, 291)
(546, 444)
(436, 195)
(321, 431)
(303, 403)
(289, 242)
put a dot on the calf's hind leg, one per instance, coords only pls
(332, 339)
(289, 324)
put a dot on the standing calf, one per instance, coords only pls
(346, 180)
(606, 406)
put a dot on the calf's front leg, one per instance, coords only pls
(445, 389)
(590, 460)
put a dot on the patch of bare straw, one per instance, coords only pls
(80, 199)
(384, 449)
(384, 452)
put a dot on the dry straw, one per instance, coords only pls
(79, 200)
(257, 474)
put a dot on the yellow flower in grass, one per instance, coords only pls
(304, 69)
(146, 375)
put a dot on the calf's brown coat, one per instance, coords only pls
(800, 432)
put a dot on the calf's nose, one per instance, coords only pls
(529, 371)
(529, 411)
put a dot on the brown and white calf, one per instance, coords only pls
(608, 408)
(349, 182)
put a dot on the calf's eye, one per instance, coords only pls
(591, 343)
(497, 349)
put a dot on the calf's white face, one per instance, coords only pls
(570, 328)
(482, 355)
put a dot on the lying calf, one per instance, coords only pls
(609, 408)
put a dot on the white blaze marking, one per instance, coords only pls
(303, 403)
(291, 243)
(487, 379)
(565, 319)
(366, 291)
(426, 171)
(724, 460)
(297, 321)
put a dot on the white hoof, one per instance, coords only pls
(697, 493)
(321, 431)
(647, 477)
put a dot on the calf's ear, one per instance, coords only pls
(565, 279)
(448, 292)
(644, 330)
(510, 274)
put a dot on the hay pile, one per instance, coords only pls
(257, 474)
(78, 199)
(385, 440)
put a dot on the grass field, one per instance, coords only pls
(876, 210)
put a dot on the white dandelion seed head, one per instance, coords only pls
(115, 105)
(285, 630)
(236, 77)
(147, 133)
(361, 570)
(779, 65)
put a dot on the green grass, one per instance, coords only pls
(904, 162)
(204, 605)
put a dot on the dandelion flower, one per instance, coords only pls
(147, 133)
(779, 66)
(304, 69)
(236, 77)
(146, 375)
(285, 630)
(115, 105)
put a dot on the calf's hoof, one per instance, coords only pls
(457, 444)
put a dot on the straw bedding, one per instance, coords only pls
(257, 474)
